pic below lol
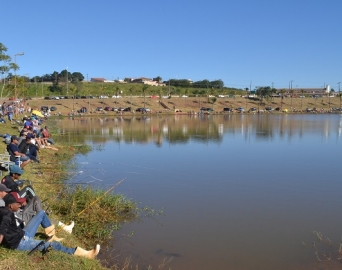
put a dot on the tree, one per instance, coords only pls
(5, 59)
(213, 100)
(158, 79)
(218, 84)
(77, 76)
(263, 92)
(65, 75)
(5, 67)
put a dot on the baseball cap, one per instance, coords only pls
(16, 169)
(29, 136)
(13, 197)
(4, 188)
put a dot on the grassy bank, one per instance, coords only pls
(96, 212)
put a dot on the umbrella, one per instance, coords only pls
(38, 113)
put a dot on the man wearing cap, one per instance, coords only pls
(14, 150)
(13, 237)
(22, 135)
(12, 182)
(27, 147)
(3, 192)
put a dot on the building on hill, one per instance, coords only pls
(306, 91)
(97, 79)
(147, 81)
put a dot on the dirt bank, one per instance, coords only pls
(191, 104)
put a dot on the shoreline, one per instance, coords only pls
(48, 180)
(191, 105)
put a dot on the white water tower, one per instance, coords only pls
(327, 89)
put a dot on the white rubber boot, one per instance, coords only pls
(67, 228)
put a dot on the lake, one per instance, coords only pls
(235, 191)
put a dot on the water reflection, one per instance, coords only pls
(239, 191)
(203, 128)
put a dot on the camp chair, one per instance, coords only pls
(5, 162)
(13, 157)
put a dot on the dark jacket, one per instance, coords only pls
(9, 229)
(9, 183)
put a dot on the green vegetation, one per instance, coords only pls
(96, 212)
(39, 89)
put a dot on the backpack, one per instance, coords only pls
(25, 214)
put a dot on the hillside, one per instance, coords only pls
(190, 104)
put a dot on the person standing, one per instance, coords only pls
(10, 112)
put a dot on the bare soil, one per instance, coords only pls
(186, 105)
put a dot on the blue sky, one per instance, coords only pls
(257, 42)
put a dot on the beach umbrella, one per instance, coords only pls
(38, 113)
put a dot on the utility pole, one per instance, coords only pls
(339, 93)
(15, 74)
(42, 85)
(67, 81)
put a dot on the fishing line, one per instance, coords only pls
(92, 203)
(141, 167)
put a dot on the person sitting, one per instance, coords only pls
(46, 134)
(28, 123)
(3, 192)
(15, 154)
(38, 141)
(27, 147)
(30, 207)
(22, 135)
(14, 237)
(41, 137)
(12, 181)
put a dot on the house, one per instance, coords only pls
(97, 79)
(147, 81)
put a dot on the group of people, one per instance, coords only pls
(21, 210)
(32, 138)
(21, 214)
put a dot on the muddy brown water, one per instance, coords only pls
(235, 191)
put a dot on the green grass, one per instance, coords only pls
(103, 211)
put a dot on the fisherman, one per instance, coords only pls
(14, 237)
(47, 135)
(31, 206)
(30, 149)
(3, 192)
(12, 181)
(14, 150)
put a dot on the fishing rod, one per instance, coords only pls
(42, 243)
